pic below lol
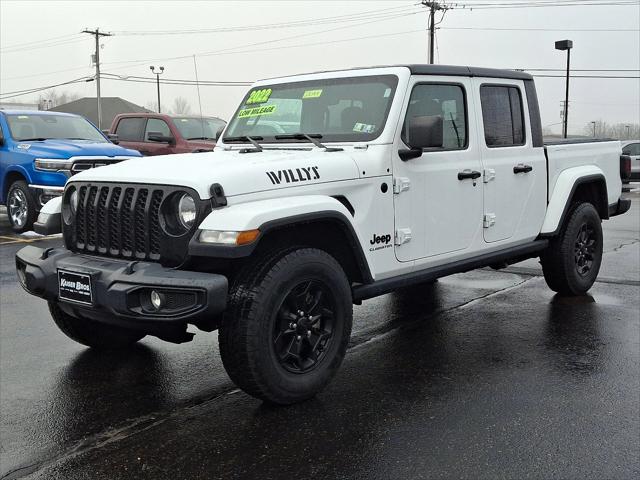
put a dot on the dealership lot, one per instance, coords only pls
(485, 375)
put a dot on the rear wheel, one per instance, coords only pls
(572, 261)
(287, 327)
(91, 333)
(21, 207)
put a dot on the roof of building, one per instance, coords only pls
(110, 106)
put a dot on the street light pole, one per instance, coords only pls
(157, 74)
(566, 45)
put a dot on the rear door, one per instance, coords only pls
(441, 209)
(514, 172)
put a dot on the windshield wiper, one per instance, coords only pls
(200, 138)
(311, 137)
(34, 139)
(246, 138)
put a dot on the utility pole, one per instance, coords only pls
(433, 8)
(157, 74)
(97, 33)
(594, 128)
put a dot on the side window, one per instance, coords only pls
(445, 101)
(632, 149)
(130, 129)
(502, 116)
(156, 126)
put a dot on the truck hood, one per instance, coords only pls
(62, 149)
(238, 173)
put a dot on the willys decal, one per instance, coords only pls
(294, 175)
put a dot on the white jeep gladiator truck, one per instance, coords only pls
(325, 189)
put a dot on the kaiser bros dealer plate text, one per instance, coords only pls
(74, 287)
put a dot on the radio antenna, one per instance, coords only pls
(195, 68)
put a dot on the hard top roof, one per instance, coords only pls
(451, 70)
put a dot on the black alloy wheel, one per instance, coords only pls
(584, 249)
(303, 327)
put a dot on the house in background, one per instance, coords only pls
(111, 106)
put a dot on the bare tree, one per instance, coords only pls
(52, 98)
(181, 106)
(618, 131)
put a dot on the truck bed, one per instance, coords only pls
(578, 152)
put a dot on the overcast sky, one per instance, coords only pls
(392, 39)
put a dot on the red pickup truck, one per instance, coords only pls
(161, 134)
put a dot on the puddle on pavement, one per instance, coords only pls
(600, 298)
(482, 280)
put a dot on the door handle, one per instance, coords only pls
(521, 168)
(465, 174)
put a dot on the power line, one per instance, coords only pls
(265, 42)
(19, 93)
(293, 24)
(501, 29)
(493, 6)
(38, 42)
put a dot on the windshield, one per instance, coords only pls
(199, 128)
(338, 109)
(43, 127)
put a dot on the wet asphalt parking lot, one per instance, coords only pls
(480, 375)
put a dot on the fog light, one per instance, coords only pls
(157, 299)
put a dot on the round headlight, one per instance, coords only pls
(187, 211)
(73, 202)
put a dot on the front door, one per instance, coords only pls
(438, 198)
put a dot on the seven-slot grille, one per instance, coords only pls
(119, 221)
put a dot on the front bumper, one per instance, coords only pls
(44, 193)
(119, 289)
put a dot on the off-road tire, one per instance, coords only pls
(31, 204)
(558, 261)
(255, 298)
(91, 333)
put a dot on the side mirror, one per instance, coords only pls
(113, 138)
(156, 137)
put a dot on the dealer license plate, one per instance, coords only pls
(74, 287)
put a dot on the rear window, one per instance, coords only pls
(502, 115)
(130, 129)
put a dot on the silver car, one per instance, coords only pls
(632, 149)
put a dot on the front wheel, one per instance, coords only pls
(572, 261)
(21, 207)
(287, 327)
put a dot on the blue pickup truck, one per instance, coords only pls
(39, 151)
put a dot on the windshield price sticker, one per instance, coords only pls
(364, 128)
(256, 111)
(312, 93)
(259, 96)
